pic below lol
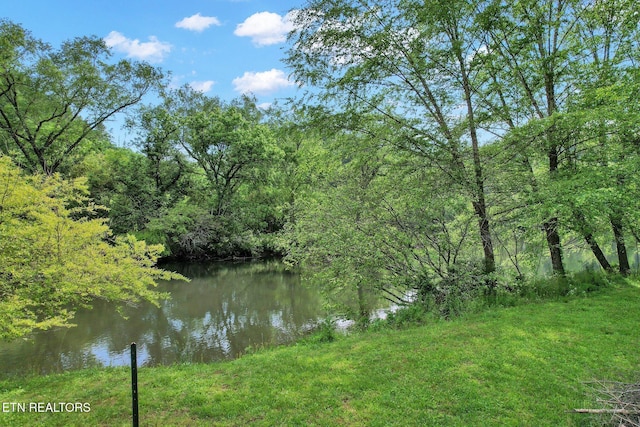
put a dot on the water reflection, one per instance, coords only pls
(224, 310)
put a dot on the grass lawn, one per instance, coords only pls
(521, 366)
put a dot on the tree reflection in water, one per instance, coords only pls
(224, 310)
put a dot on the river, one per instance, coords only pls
(226, 309)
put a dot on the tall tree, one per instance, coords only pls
(541, 59)
(227, 140)
(334, 231)
(52, 99)
(611, 35)
(531, 42)
(412, 64)
(157, 139)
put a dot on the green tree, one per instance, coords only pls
(362, 229)
(210, 174)
(410, 63)
(228, 142)
(157, 138)
(121, 180)
(334, 233)
(609, 109)
(53, 258)
(299, 133)
(542, 61)
(51, 100)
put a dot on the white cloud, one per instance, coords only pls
(261, 82)
(153, 51)
(266, 28)
(203, 87)
(198, 22)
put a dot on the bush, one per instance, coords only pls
(324, 331)
(580, 283)
(191, 232)
(55, 258)
(413, 314)
(454, 294)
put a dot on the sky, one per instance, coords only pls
(222, 48)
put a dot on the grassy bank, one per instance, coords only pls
(524, 365)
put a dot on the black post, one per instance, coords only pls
(134, 384)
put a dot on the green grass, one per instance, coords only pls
(520, 366)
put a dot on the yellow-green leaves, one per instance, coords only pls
(54, 257)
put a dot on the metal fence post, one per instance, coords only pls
(134, 384)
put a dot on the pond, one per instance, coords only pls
(226, 309)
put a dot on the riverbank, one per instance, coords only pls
(525, 365)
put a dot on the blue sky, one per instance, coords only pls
(221, 47)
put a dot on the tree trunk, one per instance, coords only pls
(485, 235)
(595, 248)
(363, 311)
(555, 248)
(551, 226)
(479, 205)
(585, 230)
(623, 258)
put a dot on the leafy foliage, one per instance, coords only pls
(444, 150)
(51, 100)
(54, 258)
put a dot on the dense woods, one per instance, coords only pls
(492, 133)
(439, 151)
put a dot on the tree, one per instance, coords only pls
(363, 231)
(122, 181)
(540, 60)
(227, 141)
(333, 236)
(527, 45)
(299, 133)
(53, 258)
(157, 139)
(412, 64)
(611, 34)
(206, 177)
(52, 99)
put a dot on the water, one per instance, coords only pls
(226, 309)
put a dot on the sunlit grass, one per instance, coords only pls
(524, 365)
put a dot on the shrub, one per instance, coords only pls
(463, 286)
(580, 283)
(413, 314)
(324, 331)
